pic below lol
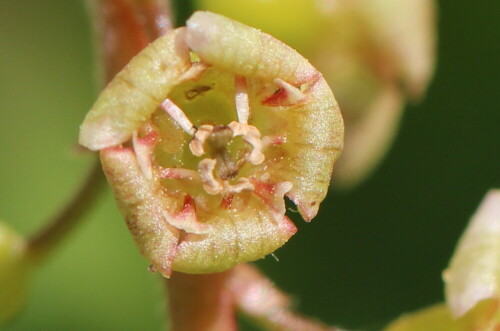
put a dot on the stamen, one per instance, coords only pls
(243, 184)
(294, 95)
(178, 115)
(143, 148)
(286, 95)
(251, 135)
(242, 104)
(178, 173)
(194, 72)
(210, 184)
(201, 135)
(213, 186)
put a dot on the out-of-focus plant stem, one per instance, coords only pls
(47, 239)
(125, 27)
(259, 299)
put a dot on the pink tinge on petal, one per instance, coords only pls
(288, 226)
(279, 98)
(187, 219)
(305, 209)
(273, 195)
(177, 173)
(227, 201)
(286, 95)
(143, 147)
(278, 140)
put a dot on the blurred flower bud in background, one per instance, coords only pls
(472, 281)
(374, 54)
(14, 269)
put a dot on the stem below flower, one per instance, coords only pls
(211, 302)
(200, 302)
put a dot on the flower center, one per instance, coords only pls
(219, 171)
(225, 149)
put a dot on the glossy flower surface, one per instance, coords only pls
(204, 133)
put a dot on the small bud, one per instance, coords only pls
(14, 272)
(200, 159)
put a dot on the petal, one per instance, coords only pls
(133, 95)
(237, 235)
(142, 204)
(235, 211)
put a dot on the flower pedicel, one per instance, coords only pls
(202, 135)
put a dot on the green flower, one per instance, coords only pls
(204, 133)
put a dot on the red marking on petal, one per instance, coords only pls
(227, 200)
(187, 218)
(150, 139)
(189, 206)
(278, 98)
(308, 81)
(117, 149)
(288, 225)
(279, 140)
(272, 195)
(265, 191)
(263, 188)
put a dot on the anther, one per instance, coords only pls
(206, 170)
(201, 135)
(251, 135)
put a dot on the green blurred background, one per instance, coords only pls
(371, 254)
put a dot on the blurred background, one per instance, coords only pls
(372, 253)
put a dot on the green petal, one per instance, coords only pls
(177, 223)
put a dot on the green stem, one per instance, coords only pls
(42, 243)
